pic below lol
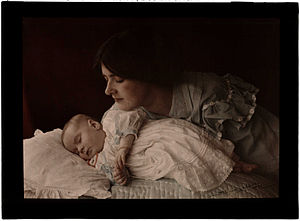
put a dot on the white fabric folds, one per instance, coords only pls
(50, 171)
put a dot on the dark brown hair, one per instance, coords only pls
(141, 54)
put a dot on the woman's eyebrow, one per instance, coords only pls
(108, 75)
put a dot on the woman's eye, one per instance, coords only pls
(119, 80)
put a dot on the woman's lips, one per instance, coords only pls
(118, 99)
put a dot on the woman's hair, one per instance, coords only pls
(141, 54)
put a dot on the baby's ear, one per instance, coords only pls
(94, 124)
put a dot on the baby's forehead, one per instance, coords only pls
(70, 133)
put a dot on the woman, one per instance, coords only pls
(142, 70)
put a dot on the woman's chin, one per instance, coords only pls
(124, 107)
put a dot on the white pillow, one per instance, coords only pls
(50, 171)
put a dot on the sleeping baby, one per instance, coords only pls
(170, 148)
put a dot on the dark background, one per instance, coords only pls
(58, 55)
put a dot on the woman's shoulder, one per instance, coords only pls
(192, 77)
(200, 82)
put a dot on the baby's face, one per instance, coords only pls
(85, 139)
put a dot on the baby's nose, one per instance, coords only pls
(81, 149)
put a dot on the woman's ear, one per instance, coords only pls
(94, 124)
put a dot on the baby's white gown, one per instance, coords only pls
(170, 148)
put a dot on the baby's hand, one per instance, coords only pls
(121, 157)
(121, 176)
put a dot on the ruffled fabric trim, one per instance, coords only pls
(48, 192)
(37, 191)
(238, 106)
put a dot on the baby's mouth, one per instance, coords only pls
(89, 151)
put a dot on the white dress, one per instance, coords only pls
(171, 148)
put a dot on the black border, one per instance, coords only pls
(13, 204)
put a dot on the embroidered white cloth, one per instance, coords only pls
(171, 148)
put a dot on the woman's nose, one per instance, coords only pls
(109, 90)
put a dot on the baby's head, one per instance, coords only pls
(84, 136)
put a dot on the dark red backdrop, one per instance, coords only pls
(58, 53)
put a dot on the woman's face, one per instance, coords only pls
(127, 93)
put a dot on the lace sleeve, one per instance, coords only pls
(128, 122)
(238, 105)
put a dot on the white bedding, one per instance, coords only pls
(237, 186)
(171, 148)
(49, 172)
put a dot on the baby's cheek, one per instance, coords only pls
(83, 156)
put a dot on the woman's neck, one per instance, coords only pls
(159, 100)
